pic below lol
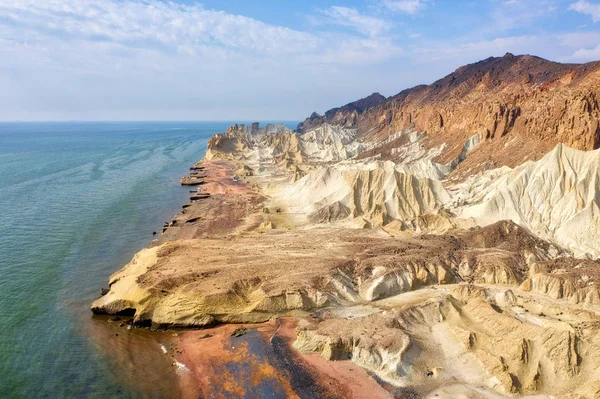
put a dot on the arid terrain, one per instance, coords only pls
(440, 243)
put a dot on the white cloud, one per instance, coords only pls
(585, 7)
(477, 50)
(140, 59)
(149, 23)
(580, 39)
(586, 54)
(151, 59)
(118, 27)
(411, 7)
(583, 46)
(352, 51)
(520, 14)
(350, 17)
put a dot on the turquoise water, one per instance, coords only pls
(77, 200)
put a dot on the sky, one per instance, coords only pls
(259, 59)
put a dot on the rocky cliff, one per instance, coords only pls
(521, 107)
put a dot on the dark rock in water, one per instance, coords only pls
(113, 319)
(154, 233)
(238, 332)
(193, 181)
(199, 197)
(128, 312)
(104, 291)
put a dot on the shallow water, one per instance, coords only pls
(77, 200)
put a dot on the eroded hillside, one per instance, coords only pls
(395, 245)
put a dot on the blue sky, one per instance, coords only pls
(263, 60)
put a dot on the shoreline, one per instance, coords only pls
(209, 212)
(275, 366)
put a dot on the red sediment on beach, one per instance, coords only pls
(224, 366)
(263, 360)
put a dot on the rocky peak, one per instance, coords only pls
(343, 116)
(360, 105)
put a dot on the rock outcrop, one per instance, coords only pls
(492, 340)
(556, 197)
(378, 193)
(239, 138)
(201, 282)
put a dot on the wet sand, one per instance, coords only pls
(354, 381)
(137, 356)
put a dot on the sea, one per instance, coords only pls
(77, 201)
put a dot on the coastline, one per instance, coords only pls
(106, 187)
(269, 360)
(217, 207)
(386, 290)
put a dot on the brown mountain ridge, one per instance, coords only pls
(520, 106)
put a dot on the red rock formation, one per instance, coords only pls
(521, 105)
